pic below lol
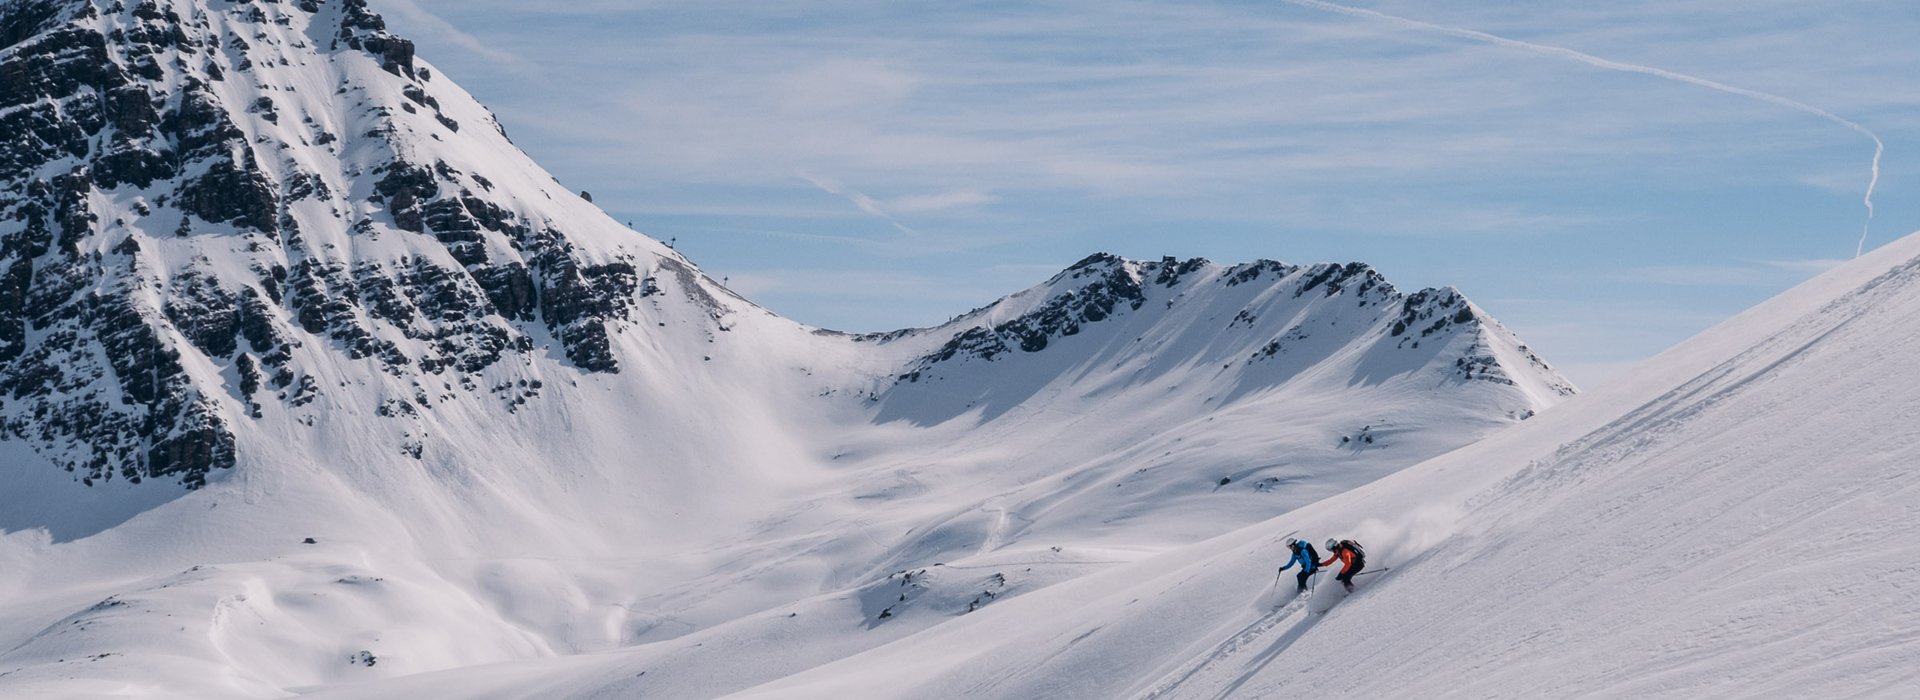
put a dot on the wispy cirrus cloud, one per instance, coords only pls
(1747, 273)
(940, 201)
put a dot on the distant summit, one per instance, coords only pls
(1259, 324)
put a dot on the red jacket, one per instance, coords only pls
(1342, 555)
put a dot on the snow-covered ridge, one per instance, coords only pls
(1267, 320)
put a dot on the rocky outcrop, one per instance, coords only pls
(130, 130)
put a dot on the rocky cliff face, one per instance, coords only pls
(199, 200)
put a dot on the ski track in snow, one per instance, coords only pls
(1226, 649)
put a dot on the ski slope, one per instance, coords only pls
(1733, 520)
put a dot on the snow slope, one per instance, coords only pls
(1735, 519)
(309, 377)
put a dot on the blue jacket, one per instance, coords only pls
(1304, 556)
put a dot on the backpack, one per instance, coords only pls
(1313, 556)
(1359, 553)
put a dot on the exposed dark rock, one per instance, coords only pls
(235, 193)
(1110, 286)
(14, 279)
(249, 371)
(1335, 279)
(199, 125)
(420, 96)
(264, 107)
(1250, 272)
(1431, 311)
(510, 288)
(202, 443)
(577, 301)
(1171, 270)
(71, 209)
(405, 187)
(21, 20)
(203, 312)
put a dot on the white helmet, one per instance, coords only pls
(1291, 541)
(1333, 543)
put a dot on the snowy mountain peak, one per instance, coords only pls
(1269, 320)
(208, 203)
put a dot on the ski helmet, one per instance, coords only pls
(1293, 541)
(1333, 543)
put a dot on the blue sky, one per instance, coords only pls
(876, 165)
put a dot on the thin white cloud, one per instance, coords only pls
(1744, 273)
(940, 201)
(1879, 147)
(1811, 266)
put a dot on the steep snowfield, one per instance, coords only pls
(1735, 519)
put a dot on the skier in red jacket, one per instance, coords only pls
(1351, 557)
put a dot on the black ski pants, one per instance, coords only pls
(1302, 578)
(1346, 576)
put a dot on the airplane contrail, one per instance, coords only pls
(1879, 148)
(860, 200)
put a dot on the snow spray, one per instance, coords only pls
(1408, 536)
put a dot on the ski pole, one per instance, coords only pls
(1375, 571)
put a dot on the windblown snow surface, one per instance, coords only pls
(1735, 519)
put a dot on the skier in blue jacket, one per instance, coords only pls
(1308, 560)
